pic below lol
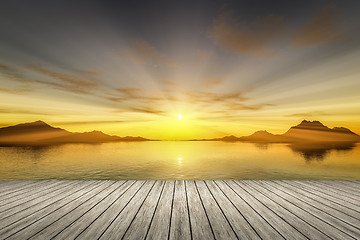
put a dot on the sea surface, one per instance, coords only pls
(180, 160)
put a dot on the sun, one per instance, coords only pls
(179, 117)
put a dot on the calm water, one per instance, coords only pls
(180, 160)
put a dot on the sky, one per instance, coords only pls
(227, 67)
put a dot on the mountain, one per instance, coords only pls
(316, 131)
(306, 131)
(41, 133)
(263, 136)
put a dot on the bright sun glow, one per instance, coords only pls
(180, 117)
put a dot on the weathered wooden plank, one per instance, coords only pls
(31, 209)
(14, 208)
(179, 210)
(96, 228)
(141, 222)
(199, 221)
(160, 224)
(348, 184)
(41, 191)
(342, 221)
(326, 223)
(355, 181)
(54, 223)
(118, 227)
(325, 201)
(337, 190)
(8, 184)
(341, 187)
(25, 193)
(344, 184)
(75, 226)
(258, 223)
(329, 194)
(24, 219)
(22, 190)
(297, 224)
(286, 230)
(218, 221)
(8, 187)
(239, 224)
(180, 227)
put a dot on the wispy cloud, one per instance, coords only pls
(204, 54)
(322, 29)
(90, 122)
(253, 39)
(131, 92)
(151, 102)
(147, 109)
(91, 73)
(23, 112)
(12, 73)
(213, 81)
(209, 97)
(74, 83)
(19, 91)
(142, 52)
(251, 107)
(69, 79)
(170, 83)
(307, 114)
(139, 94)
(5, 67)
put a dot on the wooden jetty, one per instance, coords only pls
(179, 209)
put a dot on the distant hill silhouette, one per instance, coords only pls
(41, 133)
(306, 131)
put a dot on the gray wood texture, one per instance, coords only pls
(179, 209)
